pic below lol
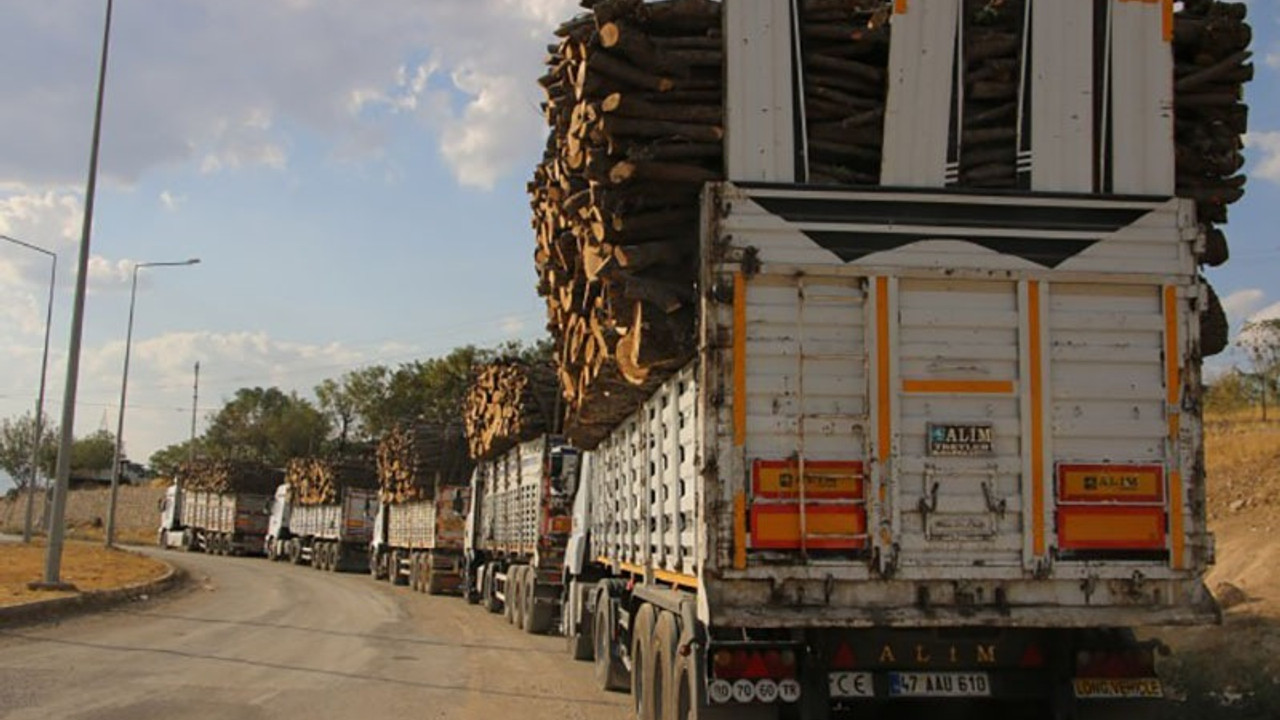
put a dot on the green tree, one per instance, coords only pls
(1231, 392)
(168, 460)
(16, 437)
(93, 453)
(266, 425)
(1260, 340)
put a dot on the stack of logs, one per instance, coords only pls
(1210, 45)
(508, 402)
(320, 480)
(230, 476)
(635, 109)
(634, 101)
(846, 68)
(412, 459)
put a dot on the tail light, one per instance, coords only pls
(753, 664)
(1118, 663)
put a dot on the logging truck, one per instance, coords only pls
(517, 528)
(231, 523)
(419, 543)
(934, 442)
(327, 536)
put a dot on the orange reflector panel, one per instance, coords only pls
(1111, 527)
(830, 527)
(822, 479)
(1111, 483)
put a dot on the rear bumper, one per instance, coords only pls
(938, 604)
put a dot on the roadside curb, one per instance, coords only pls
(90, 601)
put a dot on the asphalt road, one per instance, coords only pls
(254, 640)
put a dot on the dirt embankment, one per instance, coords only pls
(1234, 670)
(137, 513)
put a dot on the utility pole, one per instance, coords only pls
(195, 399)
(62, 477)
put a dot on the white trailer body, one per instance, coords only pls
(332, 536)
(917, 412)
(519, 525)
(218, 523)
(420, 543)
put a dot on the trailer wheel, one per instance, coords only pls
(435, 581)
(660, 667)
(509, 599)
(641, 648)
(538, 615)
(339, 558)
(188, 540)
(515, 583)
(415, 572)
(578, 630)
(609, 671)
(326, 556)
(393, 570)
(295, 551)
(375, 562)
(488, 589)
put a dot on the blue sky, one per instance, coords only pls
(351, 175)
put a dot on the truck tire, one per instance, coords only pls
(641, 648)
(375, 564)
(515, 581)
(609, 671)
(509, 599)
(660, 666)
(488, 589)
(188, 540)
(393, 569)
(538, 615)
(415, 572)
(435, 579)
(688, 700)
(295, 551)
(337, 555)
(269, 547)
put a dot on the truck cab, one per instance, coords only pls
(278, 524)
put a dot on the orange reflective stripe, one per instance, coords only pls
(1037, 420)
(969, 387)
(1173, 395)
(882, 368)
(739, 359)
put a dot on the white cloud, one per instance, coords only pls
(1270, 312)
(1240, 304)
(171, 201)
(231, 92)
(1267, 144)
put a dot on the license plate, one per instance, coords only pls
(851, 685)
(931, 685)
(1089, 688)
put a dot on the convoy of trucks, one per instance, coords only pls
(934, 443)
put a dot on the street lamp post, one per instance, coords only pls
(124, 387)
(44, 366)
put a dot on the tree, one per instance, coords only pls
(167, 461)
(16, 437)
(1231, 392)
(1260, 340)
(265, 425)
(93, 453)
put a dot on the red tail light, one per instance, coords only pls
(844, 658)
(1032, 657)
(777, 664)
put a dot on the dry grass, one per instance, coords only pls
(88, 566)
(1237, 664)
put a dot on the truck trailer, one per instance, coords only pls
(327, 536)
(231, 523)
(419, 543)
(518, 525)
(936, 442)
